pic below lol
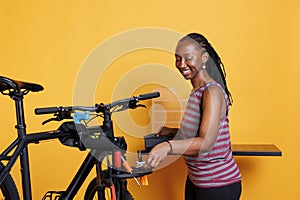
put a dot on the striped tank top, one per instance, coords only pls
(215, 168)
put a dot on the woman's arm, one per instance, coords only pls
(214, 108)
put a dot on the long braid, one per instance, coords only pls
(203, 42)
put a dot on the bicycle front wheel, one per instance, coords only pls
(8, 189)
(95, 192)
(104, 192)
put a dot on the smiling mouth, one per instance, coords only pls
(186, 72)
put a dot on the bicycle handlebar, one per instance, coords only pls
(98, 107)
(51, 110)
(149, 96)
(41, 111)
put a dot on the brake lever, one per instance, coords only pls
(134, 106)
(48, 120)
(59, 117)
(141, 105)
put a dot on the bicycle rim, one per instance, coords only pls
(92, 192)
(8, 189)
(4, 193)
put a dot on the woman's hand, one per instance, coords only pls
(158, 154)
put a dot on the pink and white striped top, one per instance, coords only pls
(217, 167)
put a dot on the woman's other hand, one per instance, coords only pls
(158, 154)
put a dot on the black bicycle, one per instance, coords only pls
(102, 145)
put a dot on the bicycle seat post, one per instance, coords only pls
(21, 126)
(18, 96)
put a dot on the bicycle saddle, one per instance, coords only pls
(8, 84)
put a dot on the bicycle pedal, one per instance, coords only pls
(52, 195)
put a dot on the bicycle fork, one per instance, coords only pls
(101, 184)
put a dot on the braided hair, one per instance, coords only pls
(214, 65)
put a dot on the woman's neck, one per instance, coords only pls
(201, 79)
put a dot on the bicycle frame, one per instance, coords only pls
(106, 144)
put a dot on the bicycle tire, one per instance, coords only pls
(8, 188)
(92, 192)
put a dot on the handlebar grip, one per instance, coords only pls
(149, 96)
(49, 110)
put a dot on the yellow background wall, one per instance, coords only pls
(48, 41)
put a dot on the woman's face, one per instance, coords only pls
(189, 59)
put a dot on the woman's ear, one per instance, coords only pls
(205, 57)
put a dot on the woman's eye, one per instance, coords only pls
(177, 59)
(188, 58)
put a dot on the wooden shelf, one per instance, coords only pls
(255, 150)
